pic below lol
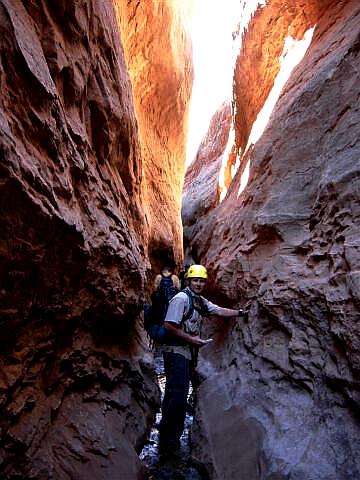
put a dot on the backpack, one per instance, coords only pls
(161, 297)
(154, 315)
(166, 283)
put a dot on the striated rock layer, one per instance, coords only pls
(160, 67)
(280, 395)
(76, 393)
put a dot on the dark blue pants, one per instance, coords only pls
(177, 372)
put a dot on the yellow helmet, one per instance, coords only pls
(197, 271)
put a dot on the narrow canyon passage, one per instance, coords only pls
(111, 165)
(179, 466)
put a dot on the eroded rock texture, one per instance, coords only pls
(76, 394)
(201, 187)
(160, 67)
(280, 395)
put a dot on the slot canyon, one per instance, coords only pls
(95, 196)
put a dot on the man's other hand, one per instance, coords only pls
(199, 342)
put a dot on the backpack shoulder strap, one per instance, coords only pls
(191, 305)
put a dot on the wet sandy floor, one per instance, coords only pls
(162, 468)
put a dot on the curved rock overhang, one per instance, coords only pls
(284, 382)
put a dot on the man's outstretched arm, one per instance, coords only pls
(229, 312)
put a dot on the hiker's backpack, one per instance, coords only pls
(166, 283)
(154, 315)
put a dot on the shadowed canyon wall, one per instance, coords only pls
(76, 393)
(201, 184)
(280, 395)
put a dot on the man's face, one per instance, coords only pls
(197, 285)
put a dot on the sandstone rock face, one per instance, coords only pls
(285, 382)
(201, 187)
(76, 393)
(158, 54)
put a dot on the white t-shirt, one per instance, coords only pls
(179, 306)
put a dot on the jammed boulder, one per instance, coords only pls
(77, 396)
(286, 380)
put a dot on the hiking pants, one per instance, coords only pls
(177, 372)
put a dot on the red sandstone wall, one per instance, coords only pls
(159, 62)
(284, 383)
(76, 392)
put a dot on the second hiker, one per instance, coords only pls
(166, 279)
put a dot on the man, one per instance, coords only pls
(166, 279)
(180, 352)
(166, 286)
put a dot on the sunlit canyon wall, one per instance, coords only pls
(279, 394)
(158, 53)
(83, 154)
